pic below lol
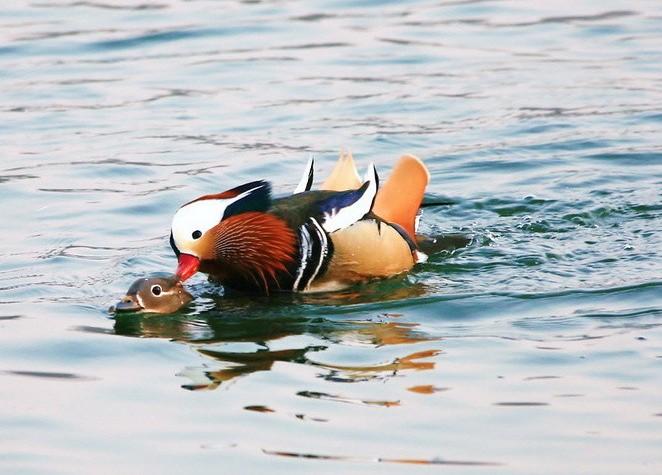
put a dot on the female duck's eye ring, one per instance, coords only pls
(156, 290)
(196, 235)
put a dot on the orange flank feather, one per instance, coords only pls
(399, 199)
(344, 176)
(256, 245)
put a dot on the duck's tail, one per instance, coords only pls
(344, 175)
(399, 199)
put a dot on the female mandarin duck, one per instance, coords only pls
(311, 241)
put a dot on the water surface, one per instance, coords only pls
(535, 349)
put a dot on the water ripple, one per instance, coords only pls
(540, 125)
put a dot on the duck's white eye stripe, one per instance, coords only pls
(198, 216)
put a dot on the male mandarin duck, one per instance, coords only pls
(311, 241)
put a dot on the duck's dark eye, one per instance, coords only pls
(156, 290)
(196, 235)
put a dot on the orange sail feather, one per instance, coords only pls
(399, 199)
(344, 175)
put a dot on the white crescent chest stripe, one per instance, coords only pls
(305, 255)
(314, 251)
(324, 251)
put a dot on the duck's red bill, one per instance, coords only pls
(187, 266)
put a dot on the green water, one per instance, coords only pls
(535, 349)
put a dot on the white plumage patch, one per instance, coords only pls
(306, 179)
(200, 216)
(314, 252)
(324, 248)
(420, 257)
(197, 216)
(417, 220)
(306, 247)
(344, 217)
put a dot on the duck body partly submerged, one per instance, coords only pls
(312, 259)
(308, 242)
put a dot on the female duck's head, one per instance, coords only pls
(160, 294)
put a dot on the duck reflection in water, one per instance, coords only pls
(249, 337)
(235, 364)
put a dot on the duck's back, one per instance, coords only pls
(381, 244)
